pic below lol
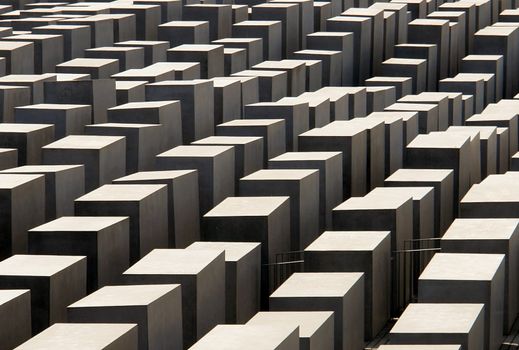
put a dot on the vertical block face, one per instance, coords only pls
(302, 186)
(55, 282)
(145, 205)
(342, 293)
(22, 207)
(183, 212)
(29, 139)
(362, 251)
(15, 311)
(468, 278)
(104, 157)
(242, 278)
(441, 324)
(74, 336)
(105, 241)
(156, 309)
(215, 165)
(202, 277)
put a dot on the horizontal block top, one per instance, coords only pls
(333, 132)
(37, 265)
(6, 295)
(283, 64)
(234, 251)
(438, 318)
(416, 193)
(495, 188)
(84, 142)
(174, 262)
(144, 104)
(156, 175)
(41, 169)
(10, 181)
(280, 174)
(195, 151)
(128, 84)
(390, 79)
(79, 336)
(462, 267)
(348, 241)
(485, 132)
(88, 62)
(131, 295)
(436, 98)
(308, 321)
(260, 73)
(419, 347)
(253, 122)
(247, 206)
(26, 78)
(227, 140)
(196, 47)
(318, 284)
(482, 229)
(256, 23)
(420, 175)
(121, 192)
(439, 140)
(420, 107)
(494, 114)
(373, 201)
(22, 127)
(53, 106)
(79, 223)
(295, 156)
(239, 337)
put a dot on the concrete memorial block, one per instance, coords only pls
(214, 185)
(159, 71)
(293, 111)
(129, 57)
(353, 143)
(468, 106)
(427, 114)
(19, 56)
(361, 28)
(23, 196)
(184, 32)
(403, 85)
(147, 18)
(489, 152)
(8, 158)
(197, 107)
(200, 273)
(240, 13)
(484, 13)
(124, 25)
(210, 58)
(454, 102)
(322, 12)
(103, 240)
(156, 309)
(468, 278)
(145, 205)
(408, 67)
(469, 9)
(67, 119)
(503, 150)
(254, 47)
(98, 68)
(269, 31)
(514, 162)
(29, 139)
(389, 34)
(458, 30)
(34, 82)
(319, 108)
(170, 10)
(235, 60)
(248, 152)
(417, 8)
(339, 102)
(475, 151)
(154, 51)
(302, 186)
(443, 151)
(143, 142)
(342, 293)
(63, 184)
(400, 11)
(10, 98)
(331, 64)
(54, 281)
(438, 99)
(48, 50)
(183, 207)
(489, 236)
(101, 29)
(76, 38)
(288, 15)
(337, 41)
(493, 64)
(314, 73)
(235, 337)
(432, 31)
(315, 327)
(271, 130)
(99, 93)
(242, 278)
(167, 114)
(98, 336)
(219, 17)
(249, 90)
(306, 18)
(296, 74)
(70, 76)
(129, 91)
(439, 323)
(227, 100)
(500, 41)
(102, 156)
(420, 347)
(356, 97)
(329, 165)
(15, 330)
(421, 51)
(363, 251)
(394, 140)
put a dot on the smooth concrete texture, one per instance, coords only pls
(15, 310)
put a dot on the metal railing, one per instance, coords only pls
(284, 266)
